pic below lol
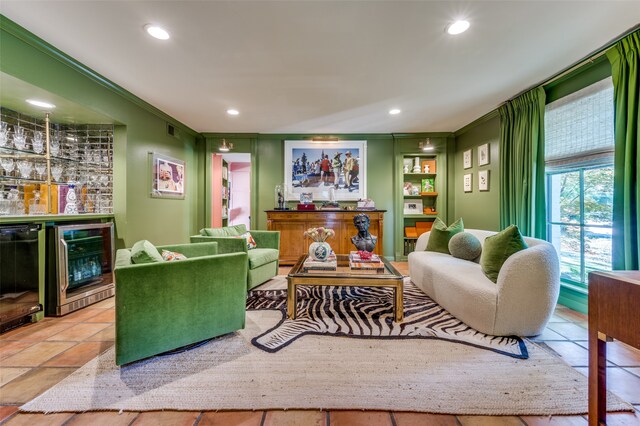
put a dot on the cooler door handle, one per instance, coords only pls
(64, 265)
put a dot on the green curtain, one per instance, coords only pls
(626, 189)
(522, 181)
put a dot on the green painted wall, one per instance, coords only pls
(479, 210)
(268, 171)
(140, 129)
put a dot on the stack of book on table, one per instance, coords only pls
(331, 264)
(358, 263)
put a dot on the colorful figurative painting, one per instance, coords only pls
(168, 177)
(326, 169)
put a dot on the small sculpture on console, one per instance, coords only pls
(363, 240)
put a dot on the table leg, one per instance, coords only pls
(292, 300)
(398, 303)
(597, 379)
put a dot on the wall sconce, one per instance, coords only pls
(325, 139)
(426, 146)
(225, 146)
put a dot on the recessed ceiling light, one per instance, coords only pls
(156, 32)
(41, 104)
(394, 111)
(233, 111)
(458, 27)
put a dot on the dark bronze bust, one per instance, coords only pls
(364, 240)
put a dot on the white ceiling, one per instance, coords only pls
(325, 66)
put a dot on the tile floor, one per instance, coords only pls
(35, 357)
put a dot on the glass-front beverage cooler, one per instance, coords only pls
(80, 266)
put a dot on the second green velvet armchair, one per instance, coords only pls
(262, 261)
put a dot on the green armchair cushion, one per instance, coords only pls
(145, 252)
(227, 231)
(261, 256)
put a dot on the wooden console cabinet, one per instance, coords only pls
(293, 223)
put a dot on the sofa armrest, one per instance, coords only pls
(266, 239)
(225, 244)
(421, 243)
(528, 289)
(192, 250)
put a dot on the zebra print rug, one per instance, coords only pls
(367, 313)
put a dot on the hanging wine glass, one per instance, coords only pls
(7, 164)
(41, 167)
(4, 134)
(37, 143)
(19, 138)
(71, 174)
(25, 167)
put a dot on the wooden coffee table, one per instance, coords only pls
(345, 276)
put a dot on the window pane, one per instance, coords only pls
(566, 240)
(564, 204)
(598, 196)
(597, 249)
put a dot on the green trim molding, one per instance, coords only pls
(573, 297)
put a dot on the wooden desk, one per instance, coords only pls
(614, 312)
(293, 223)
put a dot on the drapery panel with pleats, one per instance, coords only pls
(624, 57)
(522, 179)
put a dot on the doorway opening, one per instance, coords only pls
(232, 205)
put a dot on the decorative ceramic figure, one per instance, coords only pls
(405, 169)
(425, 169)
(279, 197)
(363, 240)
(71, 207)
(319, 249)
(416, 165)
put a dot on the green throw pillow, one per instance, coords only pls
(497, 249)
(441, 234)
(145, 252)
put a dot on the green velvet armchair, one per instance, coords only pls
(166, 305)
(262, 261)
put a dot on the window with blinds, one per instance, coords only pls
(579, 145)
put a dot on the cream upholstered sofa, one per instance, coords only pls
(520, 303)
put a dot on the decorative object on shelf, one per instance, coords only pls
(54, 146)
(410, 189)
(5, 205)
(41, 167)
(4, 134)
(428, 185)
(19, 138)
(429, 166)
(316, 166)
(305, 207)
(37, 143)
(412, 207)
(416, 165)
(7, 164)
(56, 172)
(363, 240)
(466, 159)
(36, 207)
(16, 205)
(279, 197)
(168, 177)
(483, 154)
(429, 210)
(25, 167)
(425, 168)
(332, 204)
(306, 198)
(467, 181)
(71, 205)
(411, 232)
(366, 204)
(225, 146)
(483, 180)
(405, 169)
(319, 250)
(422, 227)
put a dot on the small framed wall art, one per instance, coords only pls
(167, 176)
(467, 179)
(413, 207)
(466, 159)
(483, 180)
(483, 154)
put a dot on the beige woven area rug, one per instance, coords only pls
(327, 372)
